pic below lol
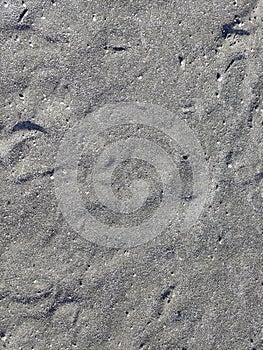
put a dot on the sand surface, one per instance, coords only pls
(131, 175)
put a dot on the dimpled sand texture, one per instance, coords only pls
(131, 174)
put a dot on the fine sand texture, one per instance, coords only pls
(131, 174)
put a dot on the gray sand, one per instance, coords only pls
(183, 288)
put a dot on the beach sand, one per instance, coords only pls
(63, 61)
